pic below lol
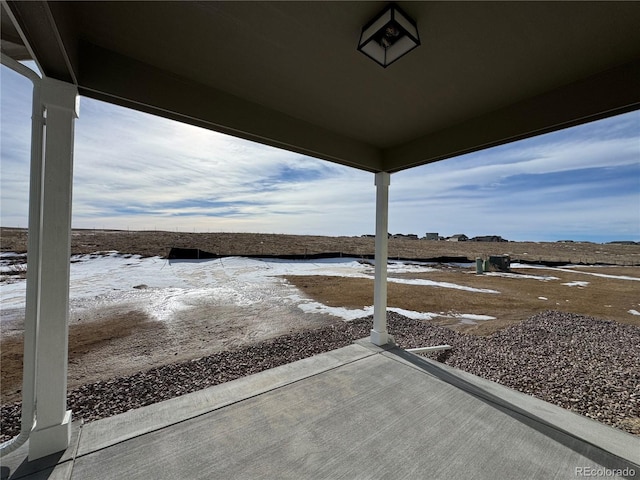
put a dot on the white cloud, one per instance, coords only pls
(555, 157)
(184, 176)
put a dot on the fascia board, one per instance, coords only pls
(114, 78)
(606, 94)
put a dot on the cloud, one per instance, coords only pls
(138, 169)
(581, 183)
(131, 164)
(15, 128)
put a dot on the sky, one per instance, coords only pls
(134, 171)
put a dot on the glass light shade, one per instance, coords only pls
(389, 36)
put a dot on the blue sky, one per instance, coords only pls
(137, 171)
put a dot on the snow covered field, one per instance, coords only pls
(163, 288)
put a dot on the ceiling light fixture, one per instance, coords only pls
(389, 36)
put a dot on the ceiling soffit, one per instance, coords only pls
(288, 73)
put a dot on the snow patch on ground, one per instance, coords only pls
(576, 284)
(349, 314)
(431, 283)
(575, 270)
(543, 278)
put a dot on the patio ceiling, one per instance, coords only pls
(288, 74)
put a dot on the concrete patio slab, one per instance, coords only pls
(356, 412)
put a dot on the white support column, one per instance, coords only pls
(32, 313)
(379, 334)
(53, 421)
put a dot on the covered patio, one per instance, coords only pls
(289, 75)
(357, 412)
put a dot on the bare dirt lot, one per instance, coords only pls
(114, 343)
(151, 243)
(118, 342)
(519, 295)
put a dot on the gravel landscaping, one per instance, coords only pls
(581, 363)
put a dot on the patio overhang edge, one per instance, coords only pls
(168, 95)
(567, 106)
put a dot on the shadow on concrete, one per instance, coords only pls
(40, 469)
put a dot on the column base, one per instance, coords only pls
(381, 338)
(51, 439)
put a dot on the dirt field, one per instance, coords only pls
(151, 243)
(519, 298)
(113, 343)
(117, 342)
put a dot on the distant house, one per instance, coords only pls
(367, 235)
(431, 236)
(488, 238)
(410, 236)
(458, 237)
